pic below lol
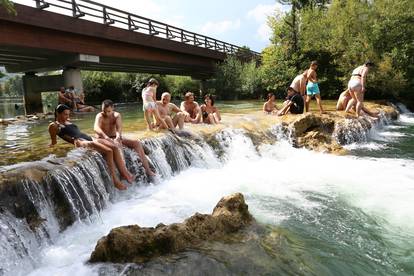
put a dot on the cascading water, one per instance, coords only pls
(324, 214)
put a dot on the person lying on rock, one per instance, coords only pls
(211, 114)
(269, 107)
(108, 126)
(167, 110)
(191, 109)
(69, 132)
(293, 104)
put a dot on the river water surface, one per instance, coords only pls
(319, 214)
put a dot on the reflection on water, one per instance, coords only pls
(28, 141)
(11, 109)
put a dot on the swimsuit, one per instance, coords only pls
(355, 84)
(312, 88)
(149, 105)
(71, 132)
(148, 102)
(297, 104)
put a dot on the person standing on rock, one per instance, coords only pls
(312, 88)
(299, 84)
(149, 104)
(69, 132)
(108, 126)
(356, 86)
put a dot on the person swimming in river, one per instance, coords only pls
(269, 107)
(108, 126)
(70, 133)
(211, 114)
(149, 105)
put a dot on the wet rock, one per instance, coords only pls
(140, 244)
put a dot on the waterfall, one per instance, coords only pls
(34, 210)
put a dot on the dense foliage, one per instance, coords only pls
(126, 87)
(342, 35)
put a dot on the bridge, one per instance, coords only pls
(76, 35)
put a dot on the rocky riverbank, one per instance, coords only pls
(135, 244)
(44, 197)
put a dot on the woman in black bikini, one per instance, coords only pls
(70, 133)
(211, 114)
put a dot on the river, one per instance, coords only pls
(321, 214)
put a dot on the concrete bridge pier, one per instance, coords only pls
(72, 76)
(34, 85)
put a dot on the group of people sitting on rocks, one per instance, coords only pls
(305, 86)
(108, 138)
(166, 115)
(74, 99)
(163, 114)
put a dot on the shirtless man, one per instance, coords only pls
(108, 125)
(312, 88)
(191, 109)
(299, 84)
(166, 109)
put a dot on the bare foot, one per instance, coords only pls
(129, 177)
(119, 185)
(150, 173)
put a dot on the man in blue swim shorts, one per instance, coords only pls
(312, 88)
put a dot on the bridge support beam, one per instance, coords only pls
(72, 76)
(34, 86)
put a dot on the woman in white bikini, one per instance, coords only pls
(356, 87)
(150, 105)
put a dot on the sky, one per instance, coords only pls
(240, 22)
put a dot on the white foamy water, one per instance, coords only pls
(382, 188)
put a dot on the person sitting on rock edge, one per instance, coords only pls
(191, 109)
(108, 126)
(210, 113)
(69, 132)
(166, 109)
(294, 103)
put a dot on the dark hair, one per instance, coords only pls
(211, 97)
(60, 108)
(152, 81)
(369, 63)
(291, 89)
(314, 62)
(270, 95)
(188, 95)
(106, 103)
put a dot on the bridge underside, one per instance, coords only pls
(24, 59)
(37, 41)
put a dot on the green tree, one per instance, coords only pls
(8, 5)
(14, 86)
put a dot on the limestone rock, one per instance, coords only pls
(139, 244)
